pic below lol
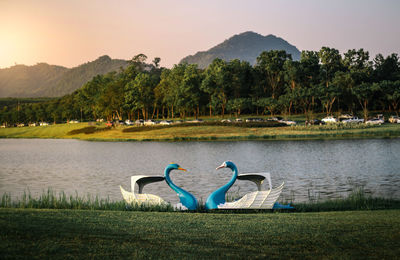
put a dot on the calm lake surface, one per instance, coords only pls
(325, 169)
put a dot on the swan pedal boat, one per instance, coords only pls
(140, 197)
(260, 199)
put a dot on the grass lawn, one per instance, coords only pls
(202, 132)
(43, 233)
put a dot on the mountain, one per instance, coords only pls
(245, 46)
(44, 80)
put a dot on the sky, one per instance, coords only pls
(73, 32)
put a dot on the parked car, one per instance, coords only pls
(149, 122)
(195, 121)
(329, 119)
(287, 122)
(275, 118)
(375, 121)
(109, 123)
(345, 116)
(128, 122)
(353, 120)
(380, 116)
(165, 122)
(226, 121)
(394, 119)
(254, 120)
(139, 122)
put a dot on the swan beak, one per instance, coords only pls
(220, 167)
(182, 169)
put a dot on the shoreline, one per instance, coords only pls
(222, 139)
(203, 133)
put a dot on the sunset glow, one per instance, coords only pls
(70, 33)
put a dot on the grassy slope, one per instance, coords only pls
(204, 132)
(52, 131)
(90, 234)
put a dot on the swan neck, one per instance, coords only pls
(167, 178)
(234, 176)
(218, 197)
(227, 186)
(169, 181)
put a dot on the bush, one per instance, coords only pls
(88, 130)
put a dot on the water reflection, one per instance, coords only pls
(309, 168)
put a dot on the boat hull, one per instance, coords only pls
(141, 198)
(255, 200)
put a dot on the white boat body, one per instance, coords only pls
(139, 197)
(260, 199)
(255, 200)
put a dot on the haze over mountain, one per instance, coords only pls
(44, 80)
(246, 46)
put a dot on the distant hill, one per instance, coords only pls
(245, 46)
(44, 80)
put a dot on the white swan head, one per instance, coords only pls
(226, 164)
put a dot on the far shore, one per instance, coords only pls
(199, 132)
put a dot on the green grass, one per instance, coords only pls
(51, 131)
(61, 226)
(208, 131)
(60, 234)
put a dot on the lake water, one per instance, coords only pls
(324, 169)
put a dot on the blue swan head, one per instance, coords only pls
(218, 197)
(174, 166)
(185, 197)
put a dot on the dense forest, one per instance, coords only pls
(320, 82)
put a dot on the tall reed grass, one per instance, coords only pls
(50, 200)
(356, 200)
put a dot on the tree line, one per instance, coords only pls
(323, 81)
